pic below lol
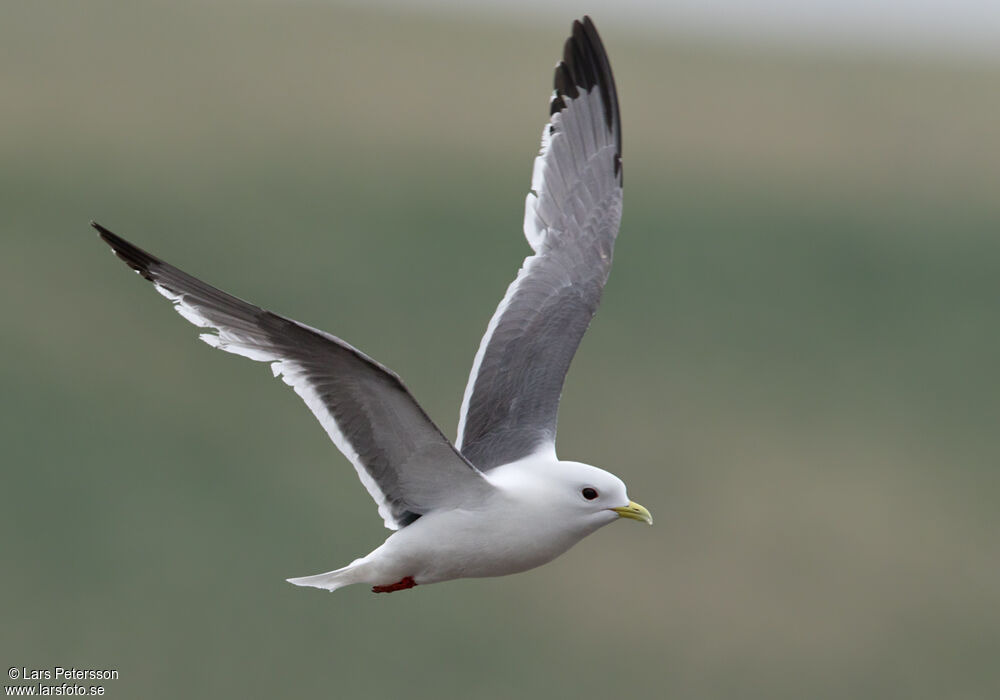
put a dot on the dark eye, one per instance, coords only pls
(589, 493)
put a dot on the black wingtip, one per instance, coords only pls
(133, 256)
(106, 235)
(584, 66)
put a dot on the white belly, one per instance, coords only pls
(465, 544)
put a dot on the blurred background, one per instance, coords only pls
(794, 368)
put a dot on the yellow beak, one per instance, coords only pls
(634, 511)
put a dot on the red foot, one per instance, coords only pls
(402, 585)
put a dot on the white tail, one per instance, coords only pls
(331, 580)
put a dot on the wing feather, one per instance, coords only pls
(404, 461)
(511, 402)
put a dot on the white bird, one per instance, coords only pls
(498, 501)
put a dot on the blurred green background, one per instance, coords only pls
(794, 368)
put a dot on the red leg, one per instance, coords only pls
(401, 585)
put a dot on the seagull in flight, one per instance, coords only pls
(498, 501)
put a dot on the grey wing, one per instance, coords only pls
(571, 220)
(408, 466)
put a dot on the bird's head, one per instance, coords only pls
(596, 495)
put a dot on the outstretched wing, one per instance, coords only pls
(408, 466)
(571, 220)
